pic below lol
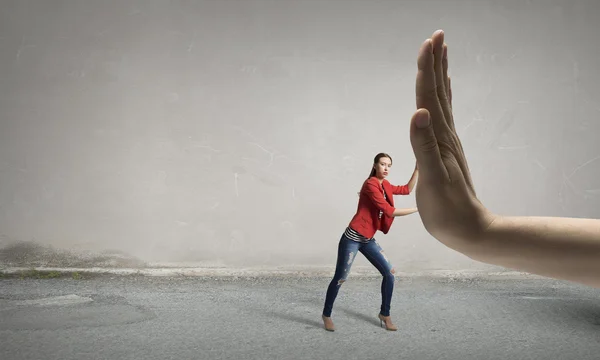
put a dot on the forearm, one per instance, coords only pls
(413, 180)
(563, 248)
(403, 212)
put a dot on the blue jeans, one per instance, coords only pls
(347, 250)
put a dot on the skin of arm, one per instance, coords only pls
(561, 248)
(408, 188)
(404, 212)
(413, 180)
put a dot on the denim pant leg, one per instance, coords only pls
(347, 250)
(374, 253)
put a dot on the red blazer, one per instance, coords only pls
(366, 220)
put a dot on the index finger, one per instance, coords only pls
(426, 89)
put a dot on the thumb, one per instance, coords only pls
(425, 146)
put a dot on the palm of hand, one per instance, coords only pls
(445, 196)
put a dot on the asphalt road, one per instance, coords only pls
(114, 317)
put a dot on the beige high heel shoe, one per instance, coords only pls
(388, 323)
(328, 323)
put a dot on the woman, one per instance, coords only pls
(375, 212)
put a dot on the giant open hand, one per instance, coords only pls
(445, 195)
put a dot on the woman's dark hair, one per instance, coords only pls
(376, 160)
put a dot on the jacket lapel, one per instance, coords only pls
(388, 193)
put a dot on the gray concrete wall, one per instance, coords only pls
(238, 132)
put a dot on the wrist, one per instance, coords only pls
(476, 244)
(469, 236)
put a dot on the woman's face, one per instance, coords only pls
(382, 167)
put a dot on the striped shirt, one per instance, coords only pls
(353, 235)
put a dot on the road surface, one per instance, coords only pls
(145, 317)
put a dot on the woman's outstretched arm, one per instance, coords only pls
(408, 188)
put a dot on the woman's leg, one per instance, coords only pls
(374, 253)
(347, 250)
